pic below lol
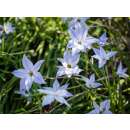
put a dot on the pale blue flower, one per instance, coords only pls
(90, 82)
(8, 28)
(29, 74)
(102, 56)
(103, 108)
(121, 72)
(80, 41)
(103, 39)
(69, 65)
(57, 92)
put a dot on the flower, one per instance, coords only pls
(103, 108)
(91, 83)
(79, 40)
(57, 92)
(69, 63)
(29, 74)
(121, 72)
(102, 56)
(102, 40)
(8, 28)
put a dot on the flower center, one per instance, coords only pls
(31, 73)
(69, 66)
(79, 20)
(73, 28)
(79, 42)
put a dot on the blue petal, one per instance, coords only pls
(62, 100)
(22, 87)
(56, 85)
(60, 72)
(21, 73)
(105, 104)
(48, 100)
(28, 83)
(95, 111)
(65, 86)
(28, 65)
(38, 78)
(38, 65)
(46, 91)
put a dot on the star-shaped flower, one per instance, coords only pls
(103, 108)
(8, 28)
(103, 39)
(69, 63)
(29, 74)
(121, 72)
(90, 82)
(80, 41)
(102, 56)
(57, 92)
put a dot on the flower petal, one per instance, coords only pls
(22, 87)
(38, 78)
(46, 91)
(111, 54)
(95, 111)
(65, 86)
(96, 85)
(70, 44)
(101, 63)
(38, 65)
(68, 94)
(28, 83)
(96, 51)
(48, 100)
(28, 65)
(92, 78)
(107, 112)
(56, 85)
(60, 71)
(20, 73)
(105, 104)
(102, 52)
(75, 50)
(62, 100)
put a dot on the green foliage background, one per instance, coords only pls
(46, 38)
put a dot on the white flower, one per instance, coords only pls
(29, 74)
(103, 108)
(8, 28)
(80, 42)
(121, 72)
(90, 82)
(102, 56)
(55, 93)
(69, 63)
